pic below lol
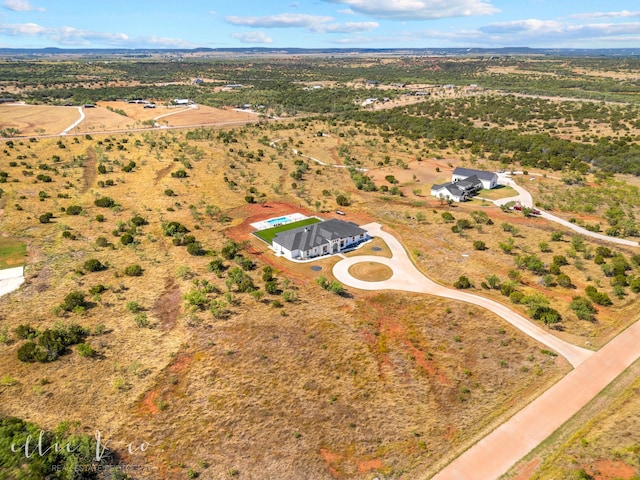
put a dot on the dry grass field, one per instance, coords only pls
(300, 383)
(37, 119)
(34, 120)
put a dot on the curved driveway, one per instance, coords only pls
(494, 454)
(406, 277)
(525, 198)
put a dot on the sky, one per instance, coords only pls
(319, 23)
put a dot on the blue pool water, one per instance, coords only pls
(277, 220)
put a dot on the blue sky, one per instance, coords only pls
(319, 23)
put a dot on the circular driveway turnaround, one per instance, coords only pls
(407, 278)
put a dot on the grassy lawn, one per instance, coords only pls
(501, 191)
(12, 253)
(268, 234)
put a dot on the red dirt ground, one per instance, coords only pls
(148, 404)
(526, 471)
(611, 470)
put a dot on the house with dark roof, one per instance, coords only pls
(489, 179)
(323, 238)
(458, 191)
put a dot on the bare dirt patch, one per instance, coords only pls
(89, 170)
(611, 470)
(167, 306)
(371, 271)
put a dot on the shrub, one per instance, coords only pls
(564, 281)
(86, 350)
(29, 352)
(134, 270)
(74, 210)
(179, 174)
(448, 217)
(25, 331)
(230, 250)
(169, 193)
(342, 200)
(195, 248)
(479, 245)
(72, 300)
(174, 228)
(104, 202)
(271, 287)
(463, 282)
(100, 218)
(94, 265)
(142, 321)
(97, 289)
(583, 308)
(126, 239)
(45, 217)
(138, 221)
(102, 242)
(597, 297)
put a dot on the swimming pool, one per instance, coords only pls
(273, 221)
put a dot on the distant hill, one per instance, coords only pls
(144, 52)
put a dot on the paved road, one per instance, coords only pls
(497, 452)
(406, 277)
(11, 279)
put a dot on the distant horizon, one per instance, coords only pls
(318, 24)
(458, 50)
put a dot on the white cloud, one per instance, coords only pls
(348, 27)
(418, 9)
(283, 20)
(252, 37)
(594, 15)
(212, 12)
(551, 33)
(20, 6)
(347, 11)
(70, 36)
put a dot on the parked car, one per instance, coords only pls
(340, 212)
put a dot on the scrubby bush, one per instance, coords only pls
(73, 300)
(138, 221)
(583, 308)
(45, 217)
(94, 265)
(479, 245)
(126, 239)
(86, 350)
(74, 210)
(104, 202)
(134, 270)
(599, 298)
(463, 282)
(97, 289)
(25, 331)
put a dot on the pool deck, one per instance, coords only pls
(277, 221)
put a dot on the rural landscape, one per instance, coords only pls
(169, 303)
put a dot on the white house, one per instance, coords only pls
(489, 179)
(458, 191)
(323, 238)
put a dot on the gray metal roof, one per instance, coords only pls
(317, 234)
(468, 172)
